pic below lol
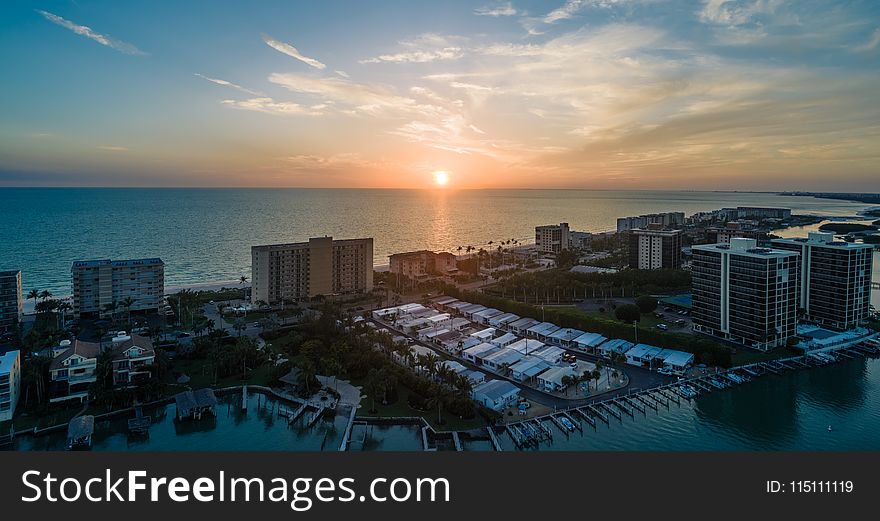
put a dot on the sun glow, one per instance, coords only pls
(441, 178)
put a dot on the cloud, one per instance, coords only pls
(871, 44)
(447, 53)
(291, 51)
(82, 30)
(736, 12)
(573, 7)
(425, 48)
(270, 106)
(342, 73)
(228, 84)
(502, 9)
(112, 148)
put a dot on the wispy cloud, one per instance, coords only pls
(83, 30)
(429, 47)
(112, 148)
(447, 53)
(871, 44)
(501, 9)
(290, 50)
(225, 83)
(270, 106)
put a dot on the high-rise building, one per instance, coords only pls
(422, 263)
(745, 294)
(666, 220)
(654, 248)
(553, 238)
(98, 284)
(10, 300)
(10, 383)
(835, 279)
(300, 271)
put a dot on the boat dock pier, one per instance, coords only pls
(532, 431)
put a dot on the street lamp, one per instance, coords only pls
(636, 329)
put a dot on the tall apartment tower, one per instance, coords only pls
(300, 271)
(835, 279)
(99, 283)
(745, 294)
(553, 238)
(11, 305)
(655, 248)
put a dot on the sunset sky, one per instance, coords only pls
(605, 94)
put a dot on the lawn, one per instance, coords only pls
(199, 372)
(401, 408)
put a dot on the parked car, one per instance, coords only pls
(662, 327)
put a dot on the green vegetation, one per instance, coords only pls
(646, 303)
(559, 286)
(628, 313)
(847, 227)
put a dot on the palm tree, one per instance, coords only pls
(239, 325)
(111, 308)
(242, 279)
(45, 295)
(34, 294)
(127, 303)
(439, 394)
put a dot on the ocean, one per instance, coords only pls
(205, 235)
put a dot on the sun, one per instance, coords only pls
(441, 178)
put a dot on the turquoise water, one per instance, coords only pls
(205, 235)
(257, 429)
(791, 411)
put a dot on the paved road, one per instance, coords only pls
(639, 378)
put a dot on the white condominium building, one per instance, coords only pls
(98, 284)
(10, 383)
(553, 238)
(300, 271)
(745, 294)
(835, 283)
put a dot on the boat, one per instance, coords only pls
(568, 425)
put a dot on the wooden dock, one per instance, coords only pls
(244, 398)
(494, 439)
(456, 441)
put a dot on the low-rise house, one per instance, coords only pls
(455, 367)
(522, 325)
(485, 334)
(458, 345)
(564, 336)
(504, 340)
(456, 307)
(443, 302)
(588, 341)
(502, 359)
(642, 355)
(484, 316)
(10, 383)
(528, 368)
(550, 354)
(496, 394)
(468, 311)
(476, 354)
(131, 357)
(72, 370)
(503, 319)
(617, 345)
(677, 361)
(429, 336)
(459, 323)
(551, 379)
(542, 331)
(527, 346)
(476, 377)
